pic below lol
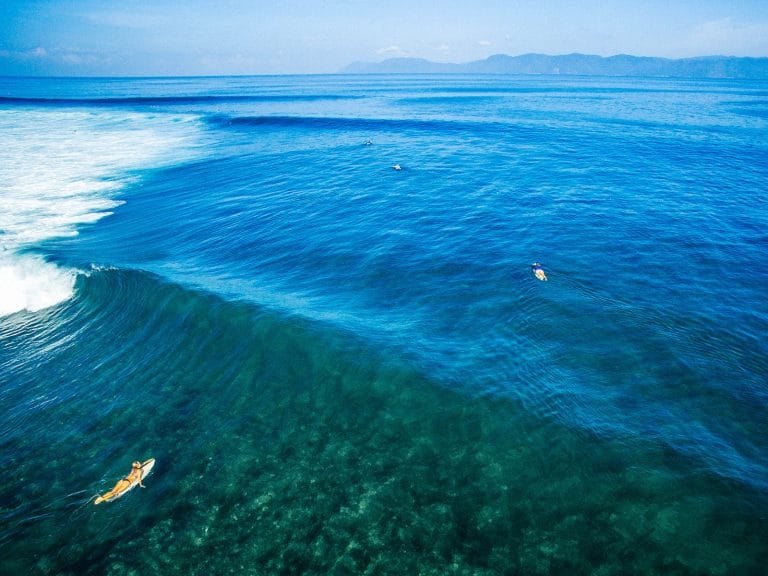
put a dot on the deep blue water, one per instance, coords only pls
(345, 368)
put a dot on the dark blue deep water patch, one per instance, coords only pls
(345, 368)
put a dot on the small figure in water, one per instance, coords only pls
(368, 142)
(123, 485)
(397, 167)
(538, 271)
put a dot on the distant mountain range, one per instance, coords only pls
(577, 64)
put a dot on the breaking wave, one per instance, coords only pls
(60, 170)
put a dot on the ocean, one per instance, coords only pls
(344, 368)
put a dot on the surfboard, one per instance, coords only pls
(121, 489)
(146, 467)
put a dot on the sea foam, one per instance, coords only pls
(61, 169)
(30, 283)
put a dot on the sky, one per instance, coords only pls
(222, 37)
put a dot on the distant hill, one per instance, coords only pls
(577, 64)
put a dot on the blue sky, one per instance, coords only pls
(173, 37)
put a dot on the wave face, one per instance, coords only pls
(341, 367)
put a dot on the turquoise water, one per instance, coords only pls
(342, 368)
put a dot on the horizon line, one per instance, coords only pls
(341, 72)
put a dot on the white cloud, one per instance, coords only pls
(443, 48)
(33, 54)
(230, 63)
(81, 59)
(484, 42)
(72, 59)
(118, 19)
(62, 59)
(728, 37)
(391, 51)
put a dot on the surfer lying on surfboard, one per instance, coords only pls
(538, 271)
(134, 478)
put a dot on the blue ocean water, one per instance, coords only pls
(345, 368)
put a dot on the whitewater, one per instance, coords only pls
(60, 170)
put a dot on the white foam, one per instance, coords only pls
(61, 169)
(30, 283)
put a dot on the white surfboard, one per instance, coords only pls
(146, 467)
(121, 488)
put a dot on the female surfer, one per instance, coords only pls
(124, 484)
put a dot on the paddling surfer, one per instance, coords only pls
(538, 271)
(124, 484)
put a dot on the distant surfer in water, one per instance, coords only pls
(538, 271)
(124, 484)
